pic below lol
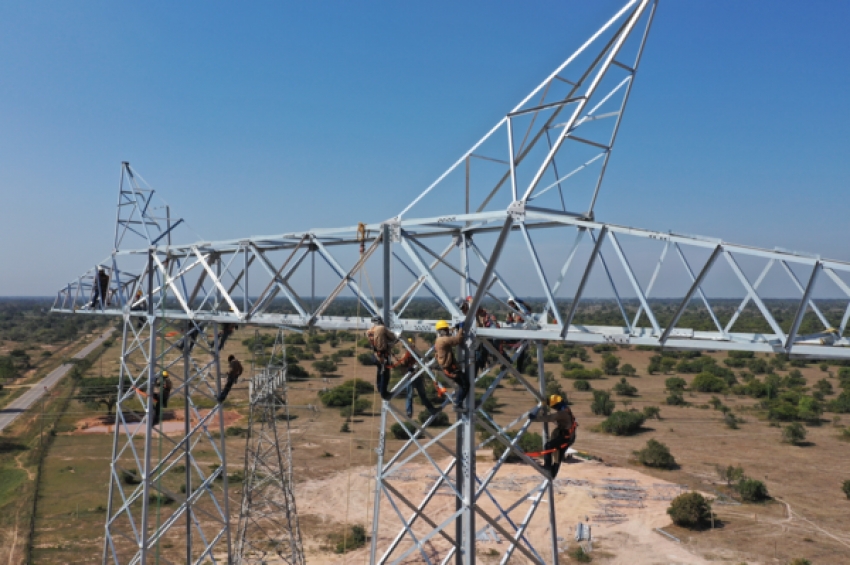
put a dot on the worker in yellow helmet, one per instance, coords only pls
(563, 436)
(165, 388)
(444, 349)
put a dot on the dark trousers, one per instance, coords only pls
(482, 356)
(98, 298)
(192, 335)
(383, 380)
(419, 385)
(462, 382)
(560, 442)
(222, 337)
(227, 386)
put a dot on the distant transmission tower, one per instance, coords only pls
(268, 522)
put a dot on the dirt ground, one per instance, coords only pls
(809, 517)
(630, 538)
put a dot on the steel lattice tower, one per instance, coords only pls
(268, 521)
(517, 210)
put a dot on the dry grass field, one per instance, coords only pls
(808, 516)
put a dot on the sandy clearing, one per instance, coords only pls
(346, 497)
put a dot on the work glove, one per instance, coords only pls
(532, 414)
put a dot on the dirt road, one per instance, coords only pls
(22, 404)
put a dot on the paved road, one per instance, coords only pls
(30, 397)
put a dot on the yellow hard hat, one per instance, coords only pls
(410, 340)
(555, 400)
(441, 325)
(165, 373)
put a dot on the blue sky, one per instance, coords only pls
(266, 117)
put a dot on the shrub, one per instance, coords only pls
(602, 404)
(623, 423)
(584, 374)
(841, 404)
(752, 490)
(706, 382)
(580, 555)
(794, 433)
(652, 412)
(325, 366)
(610, 364)
(799, 561)
(344, 428)
(730, 474)
(528, 443)
(675, 384)
(351, 540)
(623, 388)
(344, 394)
(581, 384)
(731, 421)
(628, 370)
(130, 478)
(604, 347)
(398, 430)
(657, 455)
(845, 487)
(676, 399)
(690, 510)
(441, 420)
(359, 406)
(366, 359)
(809, 409)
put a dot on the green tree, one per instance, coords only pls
(752, 490)
(623, 388)
(675, 384)
(628, 370)
(623, 423)
(602, 404)
(96, 391)
(610, 364)
(359, 406)
(706, 382)
(845, 487)
(325, 366)
(690, 510)
(794, 433)
(581, 384)
(730, 474)
(528, 443)
(675, 399)
(398, 430)
(656, 455)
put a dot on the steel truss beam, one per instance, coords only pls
(529, 188)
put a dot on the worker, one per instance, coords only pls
(484, 320)
(520, 310)
(192, 336)
(409, 364)
(165, 389)
(140, 304)
(382, 341)
(226, 331)
(563, 436)
(100, 289)
(444, 351)
(233, 374)
(517, 316)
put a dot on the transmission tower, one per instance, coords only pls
(268, 521)
(517, 210)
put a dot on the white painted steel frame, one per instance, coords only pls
(208, 283)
